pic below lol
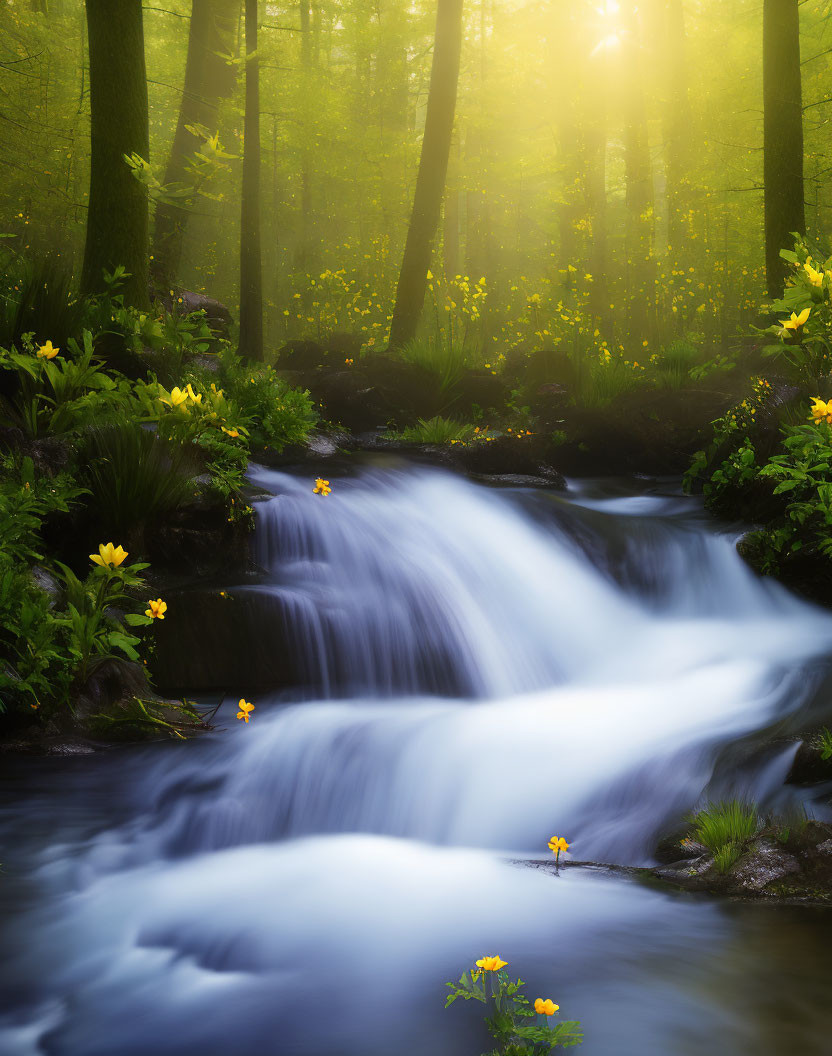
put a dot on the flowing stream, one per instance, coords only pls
(482, 669)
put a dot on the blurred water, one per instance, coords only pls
(492, 668)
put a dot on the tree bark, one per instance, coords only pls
(208, 79)
(782, 136)
(433, 168)
(117, 220)
(251, 268)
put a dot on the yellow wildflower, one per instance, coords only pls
(821, 411)
(232, 432)
(794, 322)
(545, 1008)
(490, 964)
(47, 351)
(556, 845)
(176, 398)
(815, 277)
(156, 609)
(194, 397)
(245, 708)
(108, 556)
(321, 487)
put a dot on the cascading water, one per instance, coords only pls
(491, 668)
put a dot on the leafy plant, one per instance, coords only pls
(825, 743)
(36, 299)
(517, 1029)
(277, 414)
(719, 825)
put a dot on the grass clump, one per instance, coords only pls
(437, 430)
(825, 743)
(720, 825)
(727, 857)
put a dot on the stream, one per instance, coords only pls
(483, 669)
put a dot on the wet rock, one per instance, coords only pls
(809, 767)
(112, 680)
(512, 480)
(515, 455)
(763, 864)
(218, 640)
(49, 584)
(301, 356)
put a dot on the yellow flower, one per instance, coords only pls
(547, 1007)
(321, 487)
(821, 411)
(156, 609)
(558, 844)
(815, 277)
(232, 432)
(47, 351)
(245, 708)
(794, 322)
(194, 397)
(490, 964)
(108, 556)
(177, 398)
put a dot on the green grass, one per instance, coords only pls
(135, 477)
(726, 857)
(597, 384)
(436, 430)
(447, 363)
(721, 824)
(37, 298)
(825, 743)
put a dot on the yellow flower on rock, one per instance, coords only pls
(795, 321)
(321, 487)
(545, 1008)
(821, 411)
(47, 351)
(490, 964)
(245, 708)
(156, 609)
(108, 556)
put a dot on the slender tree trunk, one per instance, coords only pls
(433, 168)
(117, 220)
(450, 217)
(677, 129)
(208, 79)
(639, 195)
(304, 255)
(251, 268)
(782, 136)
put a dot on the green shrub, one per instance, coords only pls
(825, 743)
(277, 414)
(725, 823)
(447, 363)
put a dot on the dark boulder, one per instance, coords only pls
(512, 454)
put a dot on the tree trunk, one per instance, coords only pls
(208, 79)
(251, 268)
(433, 168)
(782, 136)
(117, 223)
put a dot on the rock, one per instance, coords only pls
(808, 768)
(302, 356)
(49, 584)
(479, 389)
(763, 864)
(545, 366)
(513, 455)
(350, 398)
(513, 480)
(217, 315)
(199, 539)
(215, 640)
(112, 680)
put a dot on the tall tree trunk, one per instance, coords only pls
(433, 168)
(450, 218)
(677, 129)
(639, 195)
(303, 254)
(251, 268)
(782, 136)
(208, 79)
(117, 221)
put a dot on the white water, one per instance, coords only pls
(305, 883)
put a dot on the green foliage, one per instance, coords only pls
(720, 825)
(825, 743)
(446, 362)
(511, 1022)
(138, 715)
(437, 430)
(278, 415)
(600, 378)
(135, 477)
